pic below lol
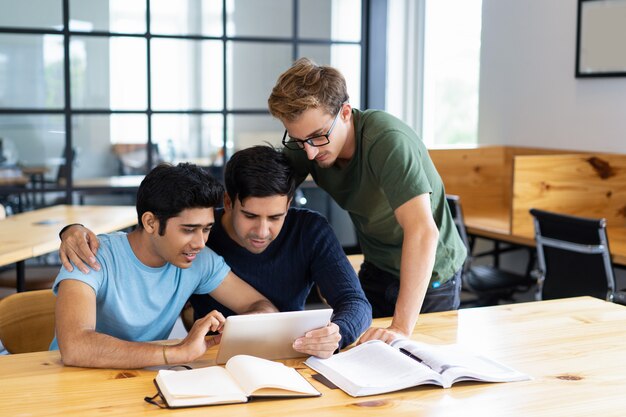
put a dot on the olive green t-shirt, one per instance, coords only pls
(390, 166)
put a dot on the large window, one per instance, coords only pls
(433, 68)
(98, 88)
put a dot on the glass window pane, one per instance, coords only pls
(36, 143)
(187, 74)
(107, 145)
(253, 70)
(189, 138)
(330, 19)
(249, 130)
(186, 17)
(49, 13)
(108, 73)
(451, 72)
(33, 141)
(31, 71)
(122, 16)
(259, 18)
(346, 58)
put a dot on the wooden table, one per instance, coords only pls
(131, 182)
(36, 232)
(574, 349)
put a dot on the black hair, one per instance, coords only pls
(259, 171)
(167, 190)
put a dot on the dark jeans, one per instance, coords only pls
(381, 289)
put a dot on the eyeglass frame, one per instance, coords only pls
(300, 142)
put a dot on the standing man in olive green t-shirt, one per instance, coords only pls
(375, 167)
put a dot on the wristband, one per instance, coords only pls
(67, 227)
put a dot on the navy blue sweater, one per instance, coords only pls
(305, 252)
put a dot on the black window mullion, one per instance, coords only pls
(149, 87)
(224, 86)
(69, 146)
(296, 28)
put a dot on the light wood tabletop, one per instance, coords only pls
(36, 232)
(116, 181)
(574, 350)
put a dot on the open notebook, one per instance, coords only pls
(242, 378)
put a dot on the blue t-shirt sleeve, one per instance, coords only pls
(95, 279)
(214, 270)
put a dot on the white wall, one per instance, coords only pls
(528, 93)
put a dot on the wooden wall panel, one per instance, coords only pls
(478, 175)
(583, 184)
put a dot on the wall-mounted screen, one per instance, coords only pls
(601, 40)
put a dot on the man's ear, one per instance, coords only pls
(150, 222)
(346, 111)
(228, 203)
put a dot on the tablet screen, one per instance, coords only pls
(268, 336)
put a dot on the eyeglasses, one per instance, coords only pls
(318, 140)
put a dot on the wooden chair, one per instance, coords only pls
(27, 321)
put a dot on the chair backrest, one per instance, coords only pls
(27, 321)
(63, 171)
(454, 203)
(574, 257)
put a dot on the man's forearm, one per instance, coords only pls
(418, 259)
(353, 315)
(97, 350)
(261, 306)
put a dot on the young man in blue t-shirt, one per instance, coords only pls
(105, 318)
(282, 252)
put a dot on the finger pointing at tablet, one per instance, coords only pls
(195, 344)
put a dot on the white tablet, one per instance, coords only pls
(268, 336)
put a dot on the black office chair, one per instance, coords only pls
(490, 285)
(574, 258)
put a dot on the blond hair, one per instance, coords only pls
(304, 86)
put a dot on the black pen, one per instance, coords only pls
(412, 356)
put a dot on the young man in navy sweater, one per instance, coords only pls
(282, 252)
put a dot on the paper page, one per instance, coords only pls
(253, 374)
(202, 382)
(457, 363)
(374, 365)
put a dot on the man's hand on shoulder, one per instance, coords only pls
(320, 342)
(79, 245)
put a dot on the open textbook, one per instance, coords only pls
(375, 367)
(243, 377)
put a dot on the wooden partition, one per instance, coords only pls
(498, 185)
(480, 176)
(483, 178)
(583, 184)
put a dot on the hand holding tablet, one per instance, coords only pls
(269, 336)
